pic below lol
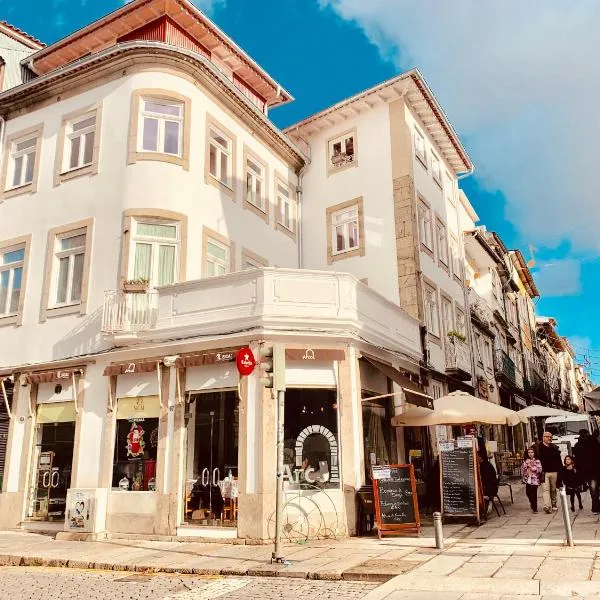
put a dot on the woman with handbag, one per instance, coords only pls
(531, 471)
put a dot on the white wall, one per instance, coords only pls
(115, 188)
(371, 179)
(13, 52)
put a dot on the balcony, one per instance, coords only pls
(506, 368)
(129, 313)
(307, 302)
(458, 358)
(480, 309)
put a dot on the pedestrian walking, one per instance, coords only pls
(549, 456)
(587, 458)
(572, 481)
(531, 471)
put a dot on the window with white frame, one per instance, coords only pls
(69, 260)
(419, 141)
(285, 212)
(345, 230)
(461, 323)
(11, 280)
(161, 124)
(220, 156)
(341, 151)
(249, 263)
(155, 251)
(436, 169)
(425, 227)
(217, 259)
(23, 154)
(447, 315)
(80, 135)
(442, 242)
(255, 183)
(432, 319)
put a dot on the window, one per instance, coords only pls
(22, 159)
(69, 258)
(436, 170)
(256, 189)
(21, 162)
(442, 242)
(67, 269)
(432, 320)
(218, 254)
(345, 227)
(487, 354)
(447, 315)
(419, 142)
(341, 151)
(478, 348)
(449, 189)
(80, 134)
(12, 263)
(161, 125)
(456, 260)
(461, 323)
(252, 261)
(220, 156)
(155, 251)
(425, 227)
(285, 206)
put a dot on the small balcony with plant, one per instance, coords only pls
(458, 356)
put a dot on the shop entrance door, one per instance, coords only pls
(212, 459)
(52, 464)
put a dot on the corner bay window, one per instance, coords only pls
(22, 160)
(79, 142)
(345, 230)
(161, 122)
(11, 280)
(69, 260)
(155, 251)
(311, 438)
(136, 444)
(220, 157)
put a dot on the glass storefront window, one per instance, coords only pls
(136, 448)
(311, 438)
(378, 434)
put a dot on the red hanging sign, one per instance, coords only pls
(245, 361)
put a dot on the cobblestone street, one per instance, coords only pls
(33, 583)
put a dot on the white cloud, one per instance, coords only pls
(558, 278)
(519, 80)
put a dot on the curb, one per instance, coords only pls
(8, 560)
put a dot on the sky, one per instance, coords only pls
(517, 79)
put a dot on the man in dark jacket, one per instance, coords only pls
(549, 456)
(587, 463)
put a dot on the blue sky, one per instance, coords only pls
(516, 79)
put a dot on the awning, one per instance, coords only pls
(207, 358)
(52, 376)
(537, 410)
(137, 366)
(459, 408)
(413, 393)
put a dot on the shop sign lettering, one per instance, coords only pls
(63, 375)
(130, 368)
(309, 355)
(224, 357)
(139, 404)
(308, 475)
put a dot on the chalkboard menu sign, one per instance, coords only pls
(395, 491)
(458, 472)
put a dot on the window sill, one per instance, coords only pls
(91, 169)
(290, 233)
(360, 251)
(27, 188)
(172, 159)
(427, 250)
(59, 311)
(11, 320)
(259, 212)
(444, 266)
(422, 160)
(333, 170)
(230, 191)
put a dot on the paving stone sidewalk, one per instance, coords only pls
(517, 547)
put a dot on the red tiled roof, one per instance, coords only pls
(23, 34)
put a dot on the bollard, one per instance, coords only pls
(566, 516)
(437, 528)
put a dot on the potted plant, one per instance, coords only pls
(135, 286)
(457, 335)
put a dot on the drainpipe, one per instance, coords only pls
(466, 173)
(2, 130)
(299, 217)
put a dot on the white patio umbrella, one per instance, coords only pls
(458, 408)
(543, 411)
